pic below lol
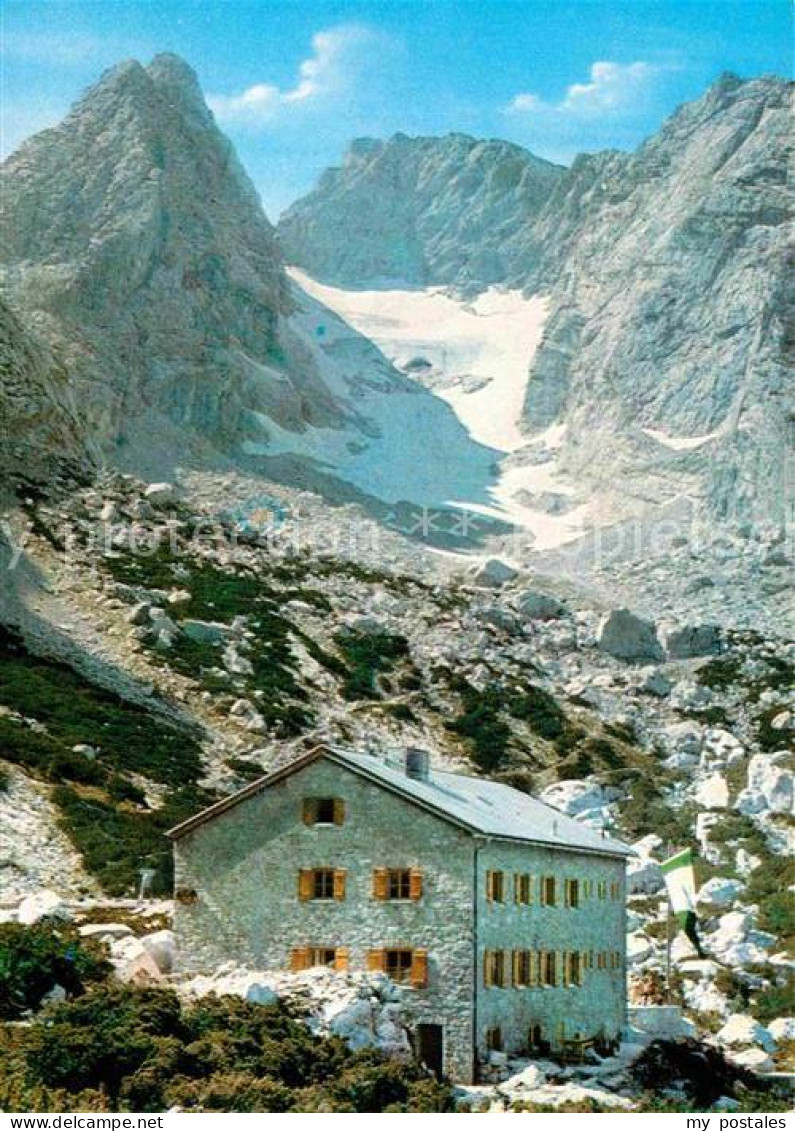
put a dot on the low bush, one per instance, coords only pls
(35, 959)
(144, 1051)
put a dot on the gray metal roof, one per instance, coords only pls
(487, 807)
(483, 807)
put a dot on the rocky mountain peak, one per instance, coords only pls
(419, 210)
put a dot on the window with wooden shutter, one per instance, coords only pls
(323, 811)
(522, 887)
(572, 891)
(494, 968)
(380, 883)
(306, 883)
(495, 886)
(376, 959)
(494, 1039)
(533, 973)
(300, 958)
(549, 891)
(419, 968)
(339, 883)
(521, 968)
(341, 957)
(549, 968)
(399, 963)
(415, 883)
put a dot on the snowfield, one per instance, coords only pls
(473, 356)
(481, 349)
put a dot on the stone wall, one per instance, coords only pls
(244, 867)
(596, 925)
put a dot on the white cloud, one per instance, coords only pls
(338, 54)
(614, 89)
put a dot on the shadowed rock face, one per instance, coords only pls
(137, 239)
(41, 435)
(422, 211)
(665, 270)
(668, 307)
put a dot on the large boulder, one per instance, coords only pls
(132, 962)
(782, 1029)
(720, 892)
(626, 636)
(540, 606)
(574, 797)
(45, 904)
(206, 631)
(776, 784)
(712, 792)
(689, 640)
(494, 573)
(743, 1030)
(160, 944)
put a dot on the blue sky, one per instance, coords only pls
(292, 81)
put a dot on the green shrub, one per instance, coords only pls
(74, 712)
(33, 960)
(539, 710)
(367, 654)
(145, 1052)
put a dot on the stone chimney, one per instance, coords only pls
(418, 764)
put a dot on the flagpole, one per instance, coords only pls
(668, 939)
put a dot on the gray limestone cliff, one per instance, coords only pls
(420, 211)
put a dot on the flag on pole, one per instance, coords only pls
(680, 880)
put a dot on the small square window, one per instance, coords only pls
(399, 883)
(397, 964)
(323, 883)
(494, 1039)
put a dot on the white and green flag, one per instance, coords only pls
(680, 880)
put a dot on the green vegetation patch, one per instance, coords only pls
(77, 712)
(367, 655)
(116, 839)
(34, 960)
(120, 1048)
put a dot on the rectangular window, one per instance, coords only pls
(403, 964)
(601, 960)
(304, 957)
(397, 964)
(321, 883)
(494, 1039)
(522, 968)
(573, 968)
(495, 887)
(494, 968)
(522, 887)
(548, 891)
(323, 811)
(397, 883)
(615, 891)
(549, 968)
(572, 893)
(602, 889)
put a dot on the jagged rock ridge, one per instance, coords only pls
(133, 234)
(418, 211)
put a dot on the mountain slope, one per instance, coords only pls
(135, 240)
(668, 303)
(662, 360)
(41, 434)
(420, 211)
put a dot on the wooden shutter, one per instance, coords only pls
(300, 958)
(487, 969)
(419, 969)
(517, 968)
(517, 887)
(305, 884)
(532, 967)
(339, 883)
(376, 960)
(309, 810)
(380, 883)
(341, 956)
(339, 811)
(415, 884)
(566, 968)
